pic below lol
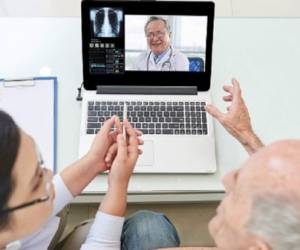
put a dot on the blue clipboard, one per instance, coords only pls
(23, 87)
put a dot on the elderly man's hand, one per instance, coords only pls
(237, 120)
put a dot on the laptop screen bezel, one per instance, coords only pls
(142, 78)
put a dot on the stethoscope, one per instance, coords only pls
(166, 64)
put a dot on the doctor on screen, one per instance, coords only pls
(160, 56)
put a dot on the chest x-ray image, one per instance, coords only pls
(107, 22)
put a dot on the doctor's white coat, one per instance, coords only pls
(176, 62)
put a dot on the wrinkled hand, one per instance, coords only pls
(237, 120)
(125, 160)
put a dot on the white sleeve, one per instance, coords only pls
(62, 194)
(105, 233)
(182, 62)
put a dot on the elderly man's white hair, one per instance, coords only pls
(275, 219)
(157, 18)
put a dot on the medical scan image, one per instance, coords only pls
(106, 22)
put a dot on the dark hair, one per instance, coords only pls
(9, 145)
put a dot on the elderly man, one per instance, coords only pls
(161, 56)
(261, 209)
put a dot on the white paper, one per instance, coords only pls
(32, 108)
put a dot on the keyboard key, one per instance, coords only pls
(90, 131)
(93, 125)
(168, 131)
(92, 119)
(178, 108)
(174, 125)
(165, 125)
(92, 113)
(177, 119)
(144, 131)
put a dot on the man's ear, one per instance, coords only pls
(260, 245)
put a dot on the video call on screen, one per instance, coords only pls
(119, 43)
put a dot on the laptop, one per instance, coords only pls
(155, 57)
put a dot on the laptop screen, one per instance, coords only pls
(147, 43)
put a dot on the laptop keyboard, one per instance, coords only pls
(167, 118)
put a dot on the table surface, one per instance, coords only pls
(261, 52)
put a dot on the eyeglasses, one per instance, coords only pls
(158, 34)
(44, 198)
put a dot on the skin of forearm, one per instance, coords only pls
(252, 143)
(115, 201)
(79, 174)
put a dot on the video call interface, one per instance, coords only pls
(120, 42)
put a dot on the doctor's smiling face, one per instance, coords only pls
(158, 35)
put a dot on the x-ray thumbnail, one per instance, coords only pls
(106, 22)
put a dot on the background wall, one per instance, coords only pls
(224, 8)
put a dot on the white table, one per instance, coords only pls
(262, 53)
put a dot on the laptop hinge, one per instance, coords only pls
(148, 90)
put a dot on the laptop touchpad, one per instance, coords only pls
(147, 158)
